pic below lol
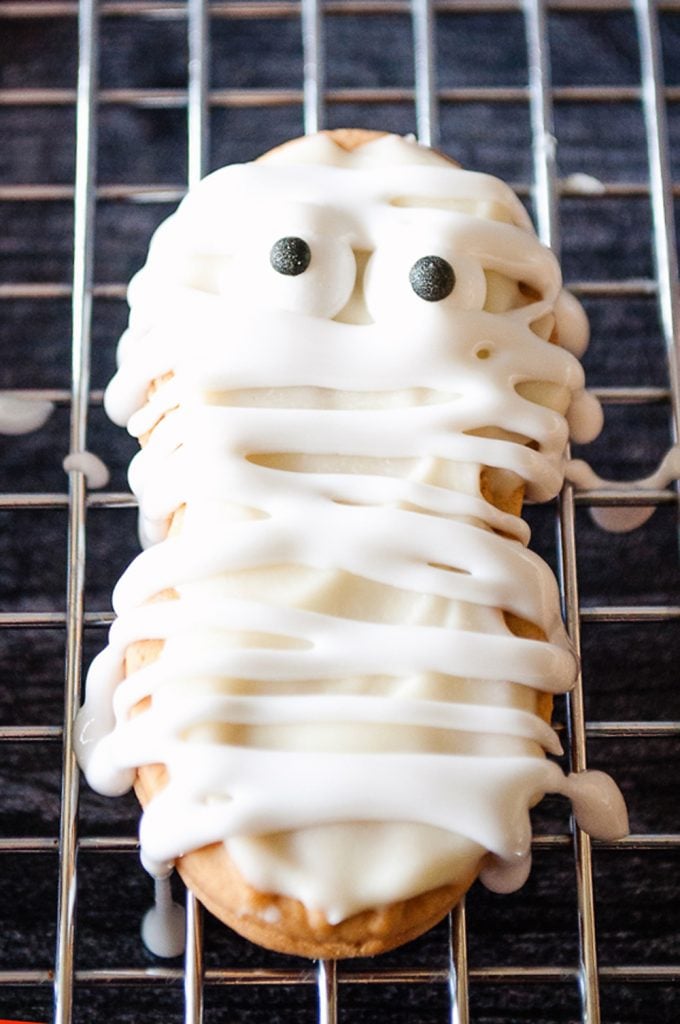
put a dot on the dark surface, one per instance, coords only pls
(630, 670)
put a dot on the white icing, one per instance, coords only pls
(22, 415)
(585, 184)
(598, 805)
(164, 925)
(617, 519)
(271, 914)
(96, 472)
(337, 677)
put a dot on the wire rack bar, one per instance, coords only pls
(596, 497)
(50, 620)
(665, 252)
(176, 99)
(130, 844)
(611, 395)
(58, 290)
(83, 261)
(425, 66)
(614, 289)
(29, 844)
(198, 41)
(588, 975)
(602, 497)
(314, 88)
(542, 128)
(503, 975)
(631, 613)
(171, 194)
(314, 116)
(239, 9)
(57, 395)
(14, 733)
(109, 844)
(637, 729)
(54, 733)
(660, 179)
(633, 395)
(652, 841)
(101, 499)
(547, 215)
(118, 290)
(58, 193)
(594, 613)
(327, 991)
(193, 962)
(198, 37)
(459, 972)
(427, 127)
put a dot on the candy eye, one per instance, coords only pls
(432, 278)
(311, 273)
(436, 289)
(290, 256)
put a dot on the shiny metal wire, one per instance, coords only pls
(199, 99)
(198, 143)
(425, 72)
(314, 92)
(546, 203)
(83, 263)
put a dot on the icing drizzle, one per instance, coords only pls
(22, 415)
(335, 640)
(618, 519)
(164, 924)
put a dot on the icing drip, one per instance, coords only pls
(163, 927)
(584, 184)
(338, 676)
(598, 805)
(624, 520)
(22, 415)
(96, 471)
(599, 809)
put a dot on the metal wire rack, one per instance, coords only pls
(450, 973)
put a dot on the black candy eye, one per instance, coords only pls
(432, 278)
(290, 256)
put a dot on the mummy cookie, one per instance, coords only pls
(330, 678)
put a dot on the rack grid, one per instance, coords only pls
(198, 100)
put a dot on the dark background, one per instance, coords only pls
(631, 670)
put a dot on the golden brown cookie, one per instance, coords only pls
(279, 922)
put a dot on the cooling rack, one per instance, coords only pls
(554, 953)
